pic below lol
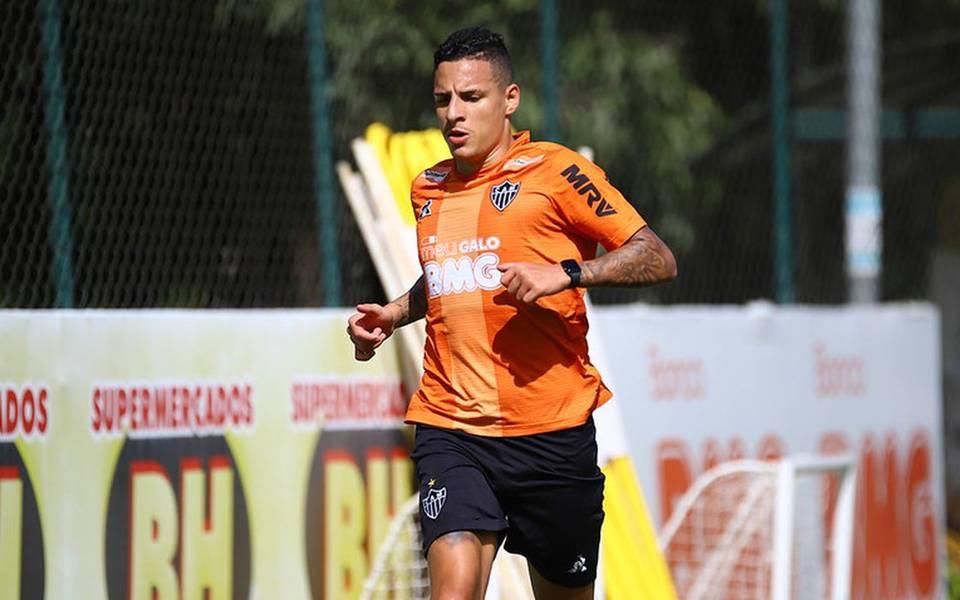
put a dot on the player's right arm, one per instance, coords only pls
(372, 324)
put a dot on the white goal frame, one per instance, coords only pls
(784, 474)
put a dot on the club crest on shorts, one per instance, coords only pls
(502, 195)
(433, 502)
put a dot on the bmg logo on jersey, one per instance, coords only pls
(464, 274)
(457, 273)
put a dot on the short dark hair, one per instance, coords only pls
(479, 43)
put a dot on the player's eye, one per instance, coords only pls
(440, 100)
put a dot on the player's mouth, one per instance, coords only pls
(457, 137)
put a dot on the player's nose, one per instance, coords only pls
(454, 109)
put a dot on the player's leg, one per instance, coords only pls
(544, 589)
(555, 508)
(460, 516)
(460, 563)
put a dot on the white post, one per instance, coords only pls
(783, 532)
(843, 525)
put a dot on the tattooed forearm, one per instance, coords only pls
(411, 306)
(643, 260)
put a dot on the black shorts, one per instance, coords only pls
(543, 493)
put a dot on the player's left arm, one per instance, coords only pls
(593, 209)
(642, 260)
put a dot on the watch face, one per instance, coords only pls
(572, 269)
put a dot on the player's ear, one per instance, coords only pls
(512, 96)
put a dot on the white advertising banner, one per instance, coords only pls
(246, 454)
(698, 386)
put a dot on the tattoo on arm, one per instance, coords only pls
(413, 304)
(643, 260)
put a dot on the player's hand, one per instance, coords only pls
(369, 327)
(527, 282)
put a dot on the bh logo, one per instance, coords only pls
(177, 523)
(359, 479)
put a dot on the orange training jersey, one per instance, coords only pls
(492, 365)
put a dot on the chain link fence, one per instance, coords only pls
(25, 249)
(158, 154)
(187, 171)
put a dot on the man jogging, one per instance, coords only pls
(507, 234)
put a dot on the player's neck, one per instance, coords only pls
(494, 156)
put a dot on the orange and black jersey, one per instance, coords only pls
(492, 365)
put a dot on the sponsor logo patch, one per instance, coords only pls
(461, 275)
(583, 186)
(436, 175)
(425, 210)
(521, 162)
(579, 565)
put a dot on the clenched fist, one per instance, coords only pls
(527, 281)
(369, 327)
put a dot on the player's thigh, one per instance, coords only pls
(555, 514)
(455, 495)
(558, 531)
(460, 563)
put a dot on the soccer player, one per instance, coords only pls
(507, 230)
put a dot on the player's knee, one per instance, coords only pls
(455, 569)
(456, 588)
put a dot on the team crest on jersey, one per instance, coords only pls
(502, 195)
(433, 503)
(425, 211)
(436, 175)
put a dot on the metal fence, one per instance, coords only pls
(160, 154)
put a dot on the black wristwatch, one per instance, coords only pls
(572, 269)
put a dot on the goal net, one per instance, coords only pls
(750, 530)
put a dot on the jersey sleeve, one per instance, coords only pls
(425, 185)
(417, 196)
(594, 208)
(417, 201)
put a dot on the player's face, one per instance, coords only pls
(473, 109)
